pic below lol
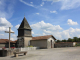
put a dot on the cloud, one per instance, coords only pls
(17, 26)
(42, 4)
(5, 24)
(1, 34)
(35, 6)
(70, 33)
(27, 3)
(14, 35)
(69, 4)
(58, 32)
(70, 22)
(6, 10)
(51, 0)
(32, 32)
(37, 13)
(42, 25)
(31, 2)
(12, 39)
(53, 12)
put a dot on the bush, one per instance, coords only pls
(77, 44)
(30, 46)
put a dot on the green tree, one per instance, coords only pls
(58, 41)
(75, 39)
(64, 40)
(69, 40)
(79, 39)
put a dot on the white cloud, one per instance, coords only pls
(42, 4)
(4, 24)
(27, 3)
(42, 25)
(14, 35)
(6, 10)
(12, 39)
(17, 26)
(37, 13)
(51, 0)
(32, 32)
(1, 34)
(70, 4)
(70, 22)
(31, 2)
(35, 6)
(53, 12)
(54, 1)
(43, 28)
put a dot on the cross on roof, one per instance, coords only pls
(9, 35)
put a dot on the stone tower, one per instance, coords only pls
(24, 34)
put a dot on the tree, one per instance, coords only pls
(75, 39)
(69, 40)
(64, 40)
(79, 39)
(58, 41)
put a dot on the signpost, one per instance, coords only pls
(9, 35)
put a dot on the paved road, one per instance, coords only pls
(70, 53)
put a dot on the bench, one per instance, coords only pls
(16, 53)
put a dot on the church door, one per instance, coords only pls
(51, 43)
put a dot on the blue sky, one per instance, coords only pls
(59, 18)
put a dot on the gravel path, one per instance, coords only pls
(70, 53)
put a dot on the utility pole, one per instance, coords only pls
(9, 35)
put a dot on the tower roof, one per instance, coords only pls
(24, 24)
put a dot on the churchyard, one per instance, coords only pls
(69, 53)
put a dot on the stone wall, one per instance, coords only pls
(27, 41)
(39, 43)
(2, 45)
(64, 44)
(78, 43)
(6, 45)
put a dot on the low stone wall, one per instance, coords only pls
(77, 42)
(7, 51)
(27, 48)
(64, 44)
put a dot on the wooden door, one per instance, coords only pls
(51, 43)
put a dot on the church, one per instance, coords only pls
(25, 37)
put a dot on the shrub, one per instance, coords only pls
(30, 46)
(77, 44)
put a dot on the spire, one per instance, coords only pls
(24, 24)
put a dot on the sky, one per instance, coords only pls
(59, 18)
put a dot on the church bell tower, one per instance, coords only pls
(24, 34)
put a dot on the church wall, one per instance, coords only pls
(49, 42)
(27, 41)
(39, 43)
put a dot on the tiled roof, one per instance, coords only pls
(63, 42)
(6, 41)
(24, 24)
(1, 41)
(42, 37)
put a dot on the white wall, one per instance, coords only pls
(49, 42)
